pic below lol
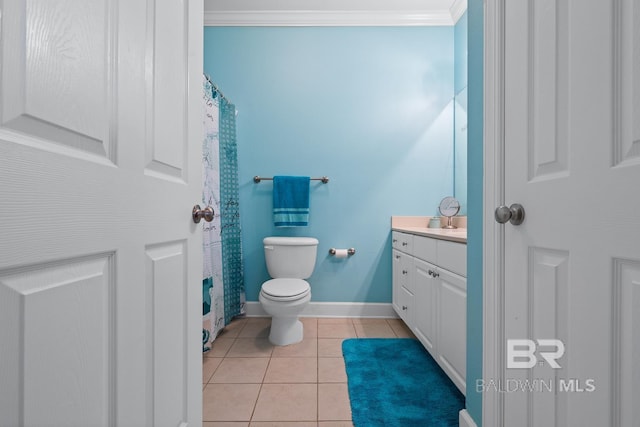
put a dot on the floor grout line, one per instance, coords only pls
(330, 353)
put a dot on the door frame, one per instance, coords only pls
(493, 362)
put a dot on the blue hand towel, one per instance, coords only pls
(291, 201)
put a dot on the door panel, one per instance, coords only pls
(166, 322)
(57, 88)
(626, 341)
(58, 306)
(570, 159)
(100, 166)
(168, 54)
(547, 310)
(547, 89)
(626, 62)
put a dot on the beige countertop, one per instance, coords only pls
(418, 225)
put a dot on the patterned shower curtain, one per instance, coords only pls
(223, 284)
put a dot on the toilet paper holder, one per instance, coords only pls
(350, 251)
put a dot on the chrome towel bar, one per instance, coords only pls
(257, 179)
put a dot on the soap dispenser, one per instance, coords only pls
(434, 221)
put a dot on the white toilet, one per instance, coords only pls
(289, 261)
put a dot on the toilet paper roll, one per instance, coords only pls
(341, 253)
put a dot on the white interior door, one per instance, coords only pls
(100, 262)
(572, 158)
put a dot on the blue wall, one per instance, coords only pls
(369, 107)
(475, 219)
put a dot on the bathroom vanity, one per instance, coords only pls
(430, 288)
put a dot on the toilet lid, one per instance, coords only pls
(285, 288)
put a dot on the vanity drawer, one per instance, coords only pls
(402, 241)
(452, 256)
(425, 248)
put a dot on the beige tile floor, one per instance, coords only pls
(247, 382)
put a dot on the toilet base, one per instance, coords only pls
(285, 330)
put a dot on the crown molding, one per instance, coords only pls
(458, 8)
(334, 18)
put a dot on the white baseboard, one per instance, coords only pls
(333, 309)
(465, 419)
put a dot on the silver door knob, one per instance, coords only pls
(198, 213)
(514, 214)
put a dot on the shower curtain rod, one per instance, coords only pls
(215, 87)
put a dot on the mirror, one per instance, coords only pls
(449, 207)
(460, 149)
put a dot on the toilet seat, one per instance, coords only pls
(285, 289)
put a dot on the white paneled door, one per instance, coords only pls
(572, 159)
(100, 262)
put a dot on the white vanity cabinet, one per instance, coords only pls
(430, 296)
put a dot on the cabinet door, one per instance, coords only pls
(403, 286)
(452, 326)
(425, 305)
(396, 269)
(406, 272)
(406, 304)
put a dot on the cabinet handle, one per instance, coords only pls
(397, 256)
(404, 243)
(395, 240)
(430, 272)
(436, 274)
(404, 307)
(404, 271)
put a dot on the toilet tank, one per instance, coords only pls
(290, 257)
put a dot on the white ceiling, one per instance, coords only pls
(333, 12)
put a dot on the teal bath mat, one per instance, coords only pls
(395, 382)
